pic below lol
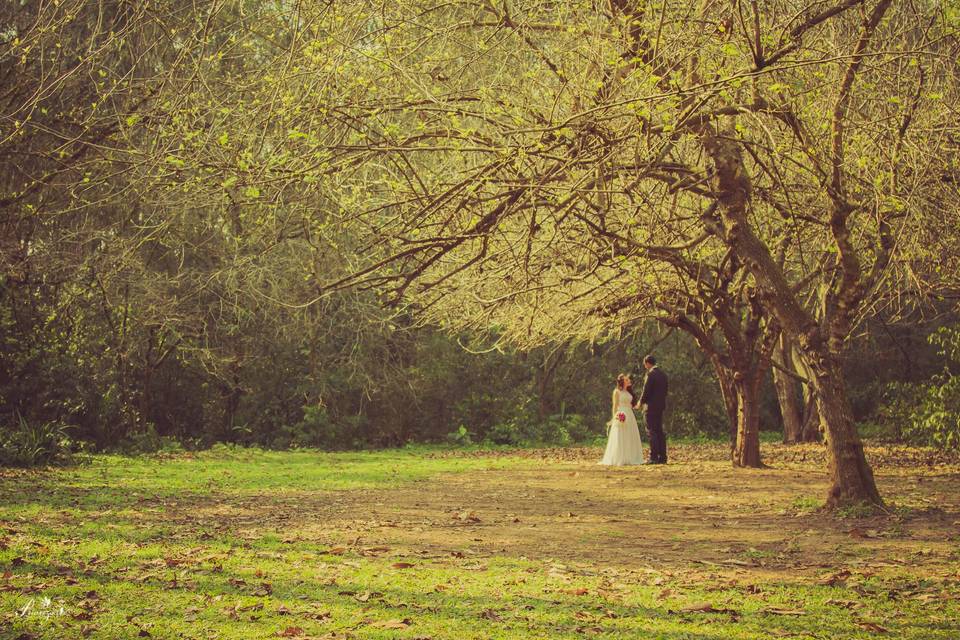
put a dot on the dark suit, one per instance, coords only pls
(655, 397)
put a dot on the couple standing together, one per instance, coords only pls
(623, 443)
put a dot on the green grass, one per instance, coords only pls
(807, 503)
(217, 545)
(115, 481)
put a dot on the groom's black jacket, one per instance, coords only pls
(655, 390)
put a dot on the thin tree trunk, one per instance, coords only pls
(729, 393)
(811, 417)
(747, 450)
(787, 392)
(810, 423)
(545, 383)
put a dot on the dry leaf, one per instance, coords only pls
(705, 607)
(393, 624)
(835, 578)
(846, 604)
(872, 626)
(784, 612)
(739, 563)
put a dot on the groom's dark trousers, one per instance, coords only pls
(658, 441)
(655, 397)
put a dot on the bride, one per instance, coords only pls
(623, 443)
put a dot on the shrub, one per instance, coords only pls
(149, 441)
(929, 413)
(559, 429)
(30, 444)
(459, 437)
(319, 429)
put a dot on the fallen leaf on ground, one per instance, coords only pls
(375, 550)
(739, 563)
(323, 616)
(403, 565)
(784, 612)
(466, 516)
(392, 624)
(704, 607)
(835, 578)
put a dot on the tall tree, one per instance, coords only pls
(688, 132)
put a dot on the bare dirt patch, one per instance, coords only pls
(693, 513)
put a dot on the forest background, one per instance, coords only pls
(169, 228)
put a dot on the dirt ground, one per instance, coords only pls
(696, 512)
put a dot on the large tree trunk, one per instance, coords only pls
(747, 450)
(788, 393)
(851, 480)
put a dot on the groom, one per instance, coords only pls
(654, 395)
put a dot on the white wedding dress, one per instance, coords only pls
(623, 444)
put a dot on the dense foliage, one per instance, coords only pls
(227, 221)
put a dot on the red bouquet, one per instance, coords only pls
(622, 417)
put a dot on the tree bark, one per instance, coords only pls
(851, 478)
(747, 450)
(788, 393)
(729, 393)
(850, 475)
(545, 383)
(811, 417)
(810, 421)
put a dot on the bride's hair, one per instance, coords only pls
(622, 384)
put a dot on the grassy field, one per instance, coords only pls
(436, 544)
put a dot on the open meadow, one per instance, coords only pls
(431, 543)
